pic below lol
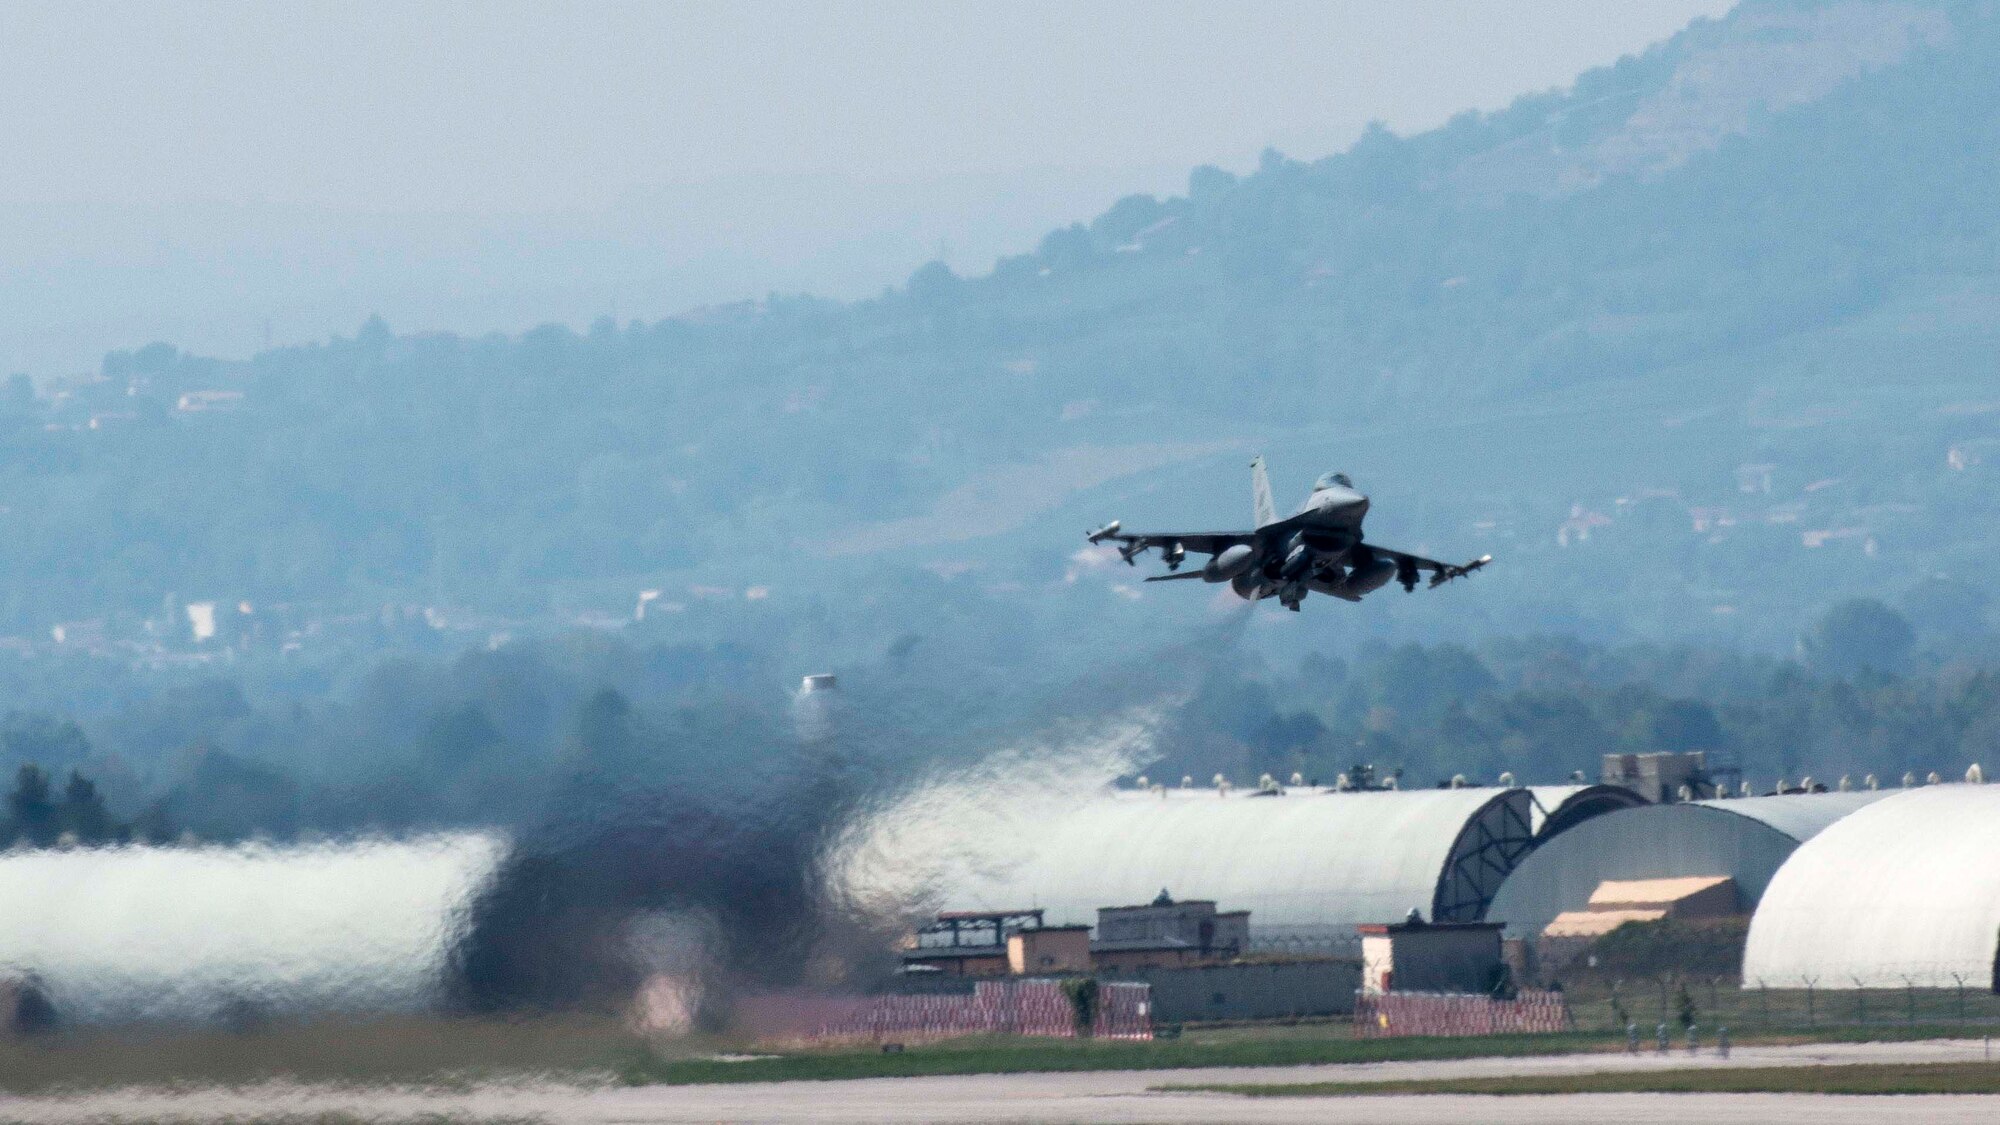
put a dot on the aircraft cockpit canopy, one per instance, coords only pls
(1332, 480)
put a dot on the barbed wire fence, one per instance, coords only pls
(1283, 943)
(1908, 995)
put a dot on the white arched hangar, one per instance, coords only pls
(1904, 893)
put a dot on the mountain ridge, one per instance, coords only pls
(1518, 357)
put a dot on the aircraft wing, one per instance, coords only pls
(1200, 542)
(1409, 566)
(1131, 543)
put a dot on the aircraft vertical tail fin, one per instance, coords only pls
(1260, 493)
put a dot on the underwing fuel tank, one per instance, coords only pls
(1250, 585)
(1368, 576)
(1228, 563)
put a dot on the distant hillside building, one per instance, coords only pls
(195, 402)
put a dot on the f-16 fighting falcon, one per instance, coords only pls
(1317, 549)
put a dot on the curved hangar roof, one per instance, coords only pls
(1305, 863)
(1746, 839)
(1559, 808)
(195, 932)
(1903, 892)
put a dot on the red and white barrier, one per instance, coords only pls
(1390, 1014)
(1003, 1007)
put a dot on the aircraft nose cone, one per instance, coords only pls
(1346, 501)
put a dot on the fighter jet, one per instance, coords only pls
(1317, 549)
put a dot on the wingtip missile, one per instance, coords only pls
(1103, 533)
(1445, 574)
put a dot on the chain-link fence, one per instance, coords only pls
(1305, 942)
(1927, 996)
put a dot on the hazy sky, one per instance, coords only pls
(206, 168)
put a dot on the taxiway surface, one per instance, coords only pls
(1106, 1096)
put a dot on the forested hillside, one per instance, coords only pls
(1695, 346)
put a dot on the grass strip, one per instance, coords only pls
(985, 1056)
(1244, 1047)
(443, 1054)
(1850, 1078)
(457, 1053)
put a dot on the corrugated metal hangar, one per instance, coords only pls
(1745, 839)
(1308, 863)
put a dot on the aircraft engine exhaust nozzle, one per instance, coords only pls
(1229, 563)
(1103, 533)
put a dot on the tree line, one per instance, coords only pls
(512, 735)
(38, 816)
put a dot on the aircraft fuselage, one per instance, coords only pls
(1317, 549)
(1309, 550)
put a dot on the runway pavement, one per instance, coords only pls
(1107, 1096)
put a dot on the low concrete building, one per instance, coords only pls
(1042, 950)
(1168, 934)
(968, 943)
(1259, 990)
(1419, 956)
(1661, 777)
(1618, 901)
